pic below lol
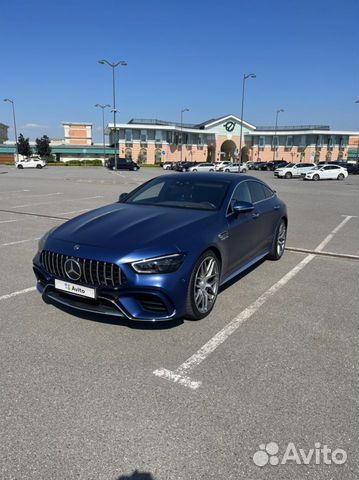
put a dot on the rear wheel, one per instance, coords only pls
(288, 175)
(194, 170)
(279, 241)
(226, 170)
(203, 286)
(211, 170)
(340, 176)
(38, 166)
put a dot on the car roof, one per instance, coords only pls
(228, 177)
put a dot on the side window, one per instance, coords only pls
(257, 191)
(240, 194)
(267, 191)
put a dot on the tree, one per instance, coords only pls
(23, 146)
(43, 146)
(245, 154)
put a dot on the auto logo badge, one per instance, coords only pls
(72, 269)
(76, 247)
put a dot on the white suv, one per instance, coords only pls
(30, 163)
(220, 165)
(295, 170)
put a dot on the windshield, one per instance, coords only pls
(180, 193)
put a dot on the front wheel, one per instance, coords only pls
(194, 170)
(316, 177)
(211, 170)
(340, 176)
(279, 241)
(20, 167)
(203, 286)
(288, 175)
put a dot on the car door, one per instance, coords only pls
(265, 213)
(326, 172)
(243, 230)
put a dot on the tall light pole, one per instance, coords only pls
(245, 77)
(13, 114)
(357, 101)
(121, 63)
(182, 112)
(275, 132)
(103, 127)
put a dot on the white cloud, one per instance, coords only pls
(34, 125)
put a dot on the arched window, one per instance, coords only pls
(128, 153)
(142, 156)
(158, 156)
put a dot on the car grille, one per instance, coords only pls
(152, 303)
(93, 272)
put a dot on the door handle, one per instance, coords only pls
(255, 215)
(277, 207)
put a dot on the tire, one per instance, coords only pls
(20, 167)
(288, 175)
(316, 177)
(279, 241)
(211, 170)
(226, 170)
(183, 169)
(244, 170)
(194, 170)
(135, 168)
(340, 176)
(199, 305)
(38, 166)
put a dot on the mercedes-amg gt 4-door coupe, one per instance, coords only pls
(163, 250)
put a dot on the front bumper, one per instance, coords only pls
(147, 298)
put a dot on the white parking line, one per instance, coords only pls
(19, 292)
(7, 221)
(39, 195)
(329, 237)
(75, 211)
(180, 374)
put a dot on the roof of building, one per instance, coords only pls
(78, 123)
(295, 127)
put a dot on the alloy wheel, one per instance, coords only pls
(281, 238)
(206, 284)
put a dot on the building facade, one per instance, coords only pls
(77, 133)
(3, 132)
(155, 141)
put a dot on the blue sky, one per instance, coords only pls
(180, 54)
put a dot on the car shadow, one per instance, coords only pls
(241, 275)
(136, 475)
(114, 320)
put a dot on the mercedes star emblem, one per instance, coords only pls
(72, 269)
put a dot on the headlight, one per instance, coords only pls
(43, 239)
(165, 264)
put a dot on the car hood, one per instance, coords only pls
(128, 227)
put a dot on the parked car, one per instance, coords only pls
(167, 166)
(184, 166)
(202, 167)
(327, 172)
(250, 165)
(276, 164)
(353, 168)
(234, 168)
(30, 163)
(219, 165)
(261, 166)
(122, 164)
(294, 170)
(163, 250)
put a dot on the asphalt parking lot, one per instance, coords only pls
(276, 360)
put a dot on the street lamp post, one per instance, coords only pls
(14, 118)
(182, 111)
(121, 63)
(245, 77)
(103, 127)
(275, 133)
(357, 101)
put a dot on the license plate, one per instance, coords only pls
(75, 289)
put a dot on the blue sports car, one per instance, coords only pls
(163, 250)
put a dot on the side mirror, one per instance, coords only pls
(242, 207)
(122, 197)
